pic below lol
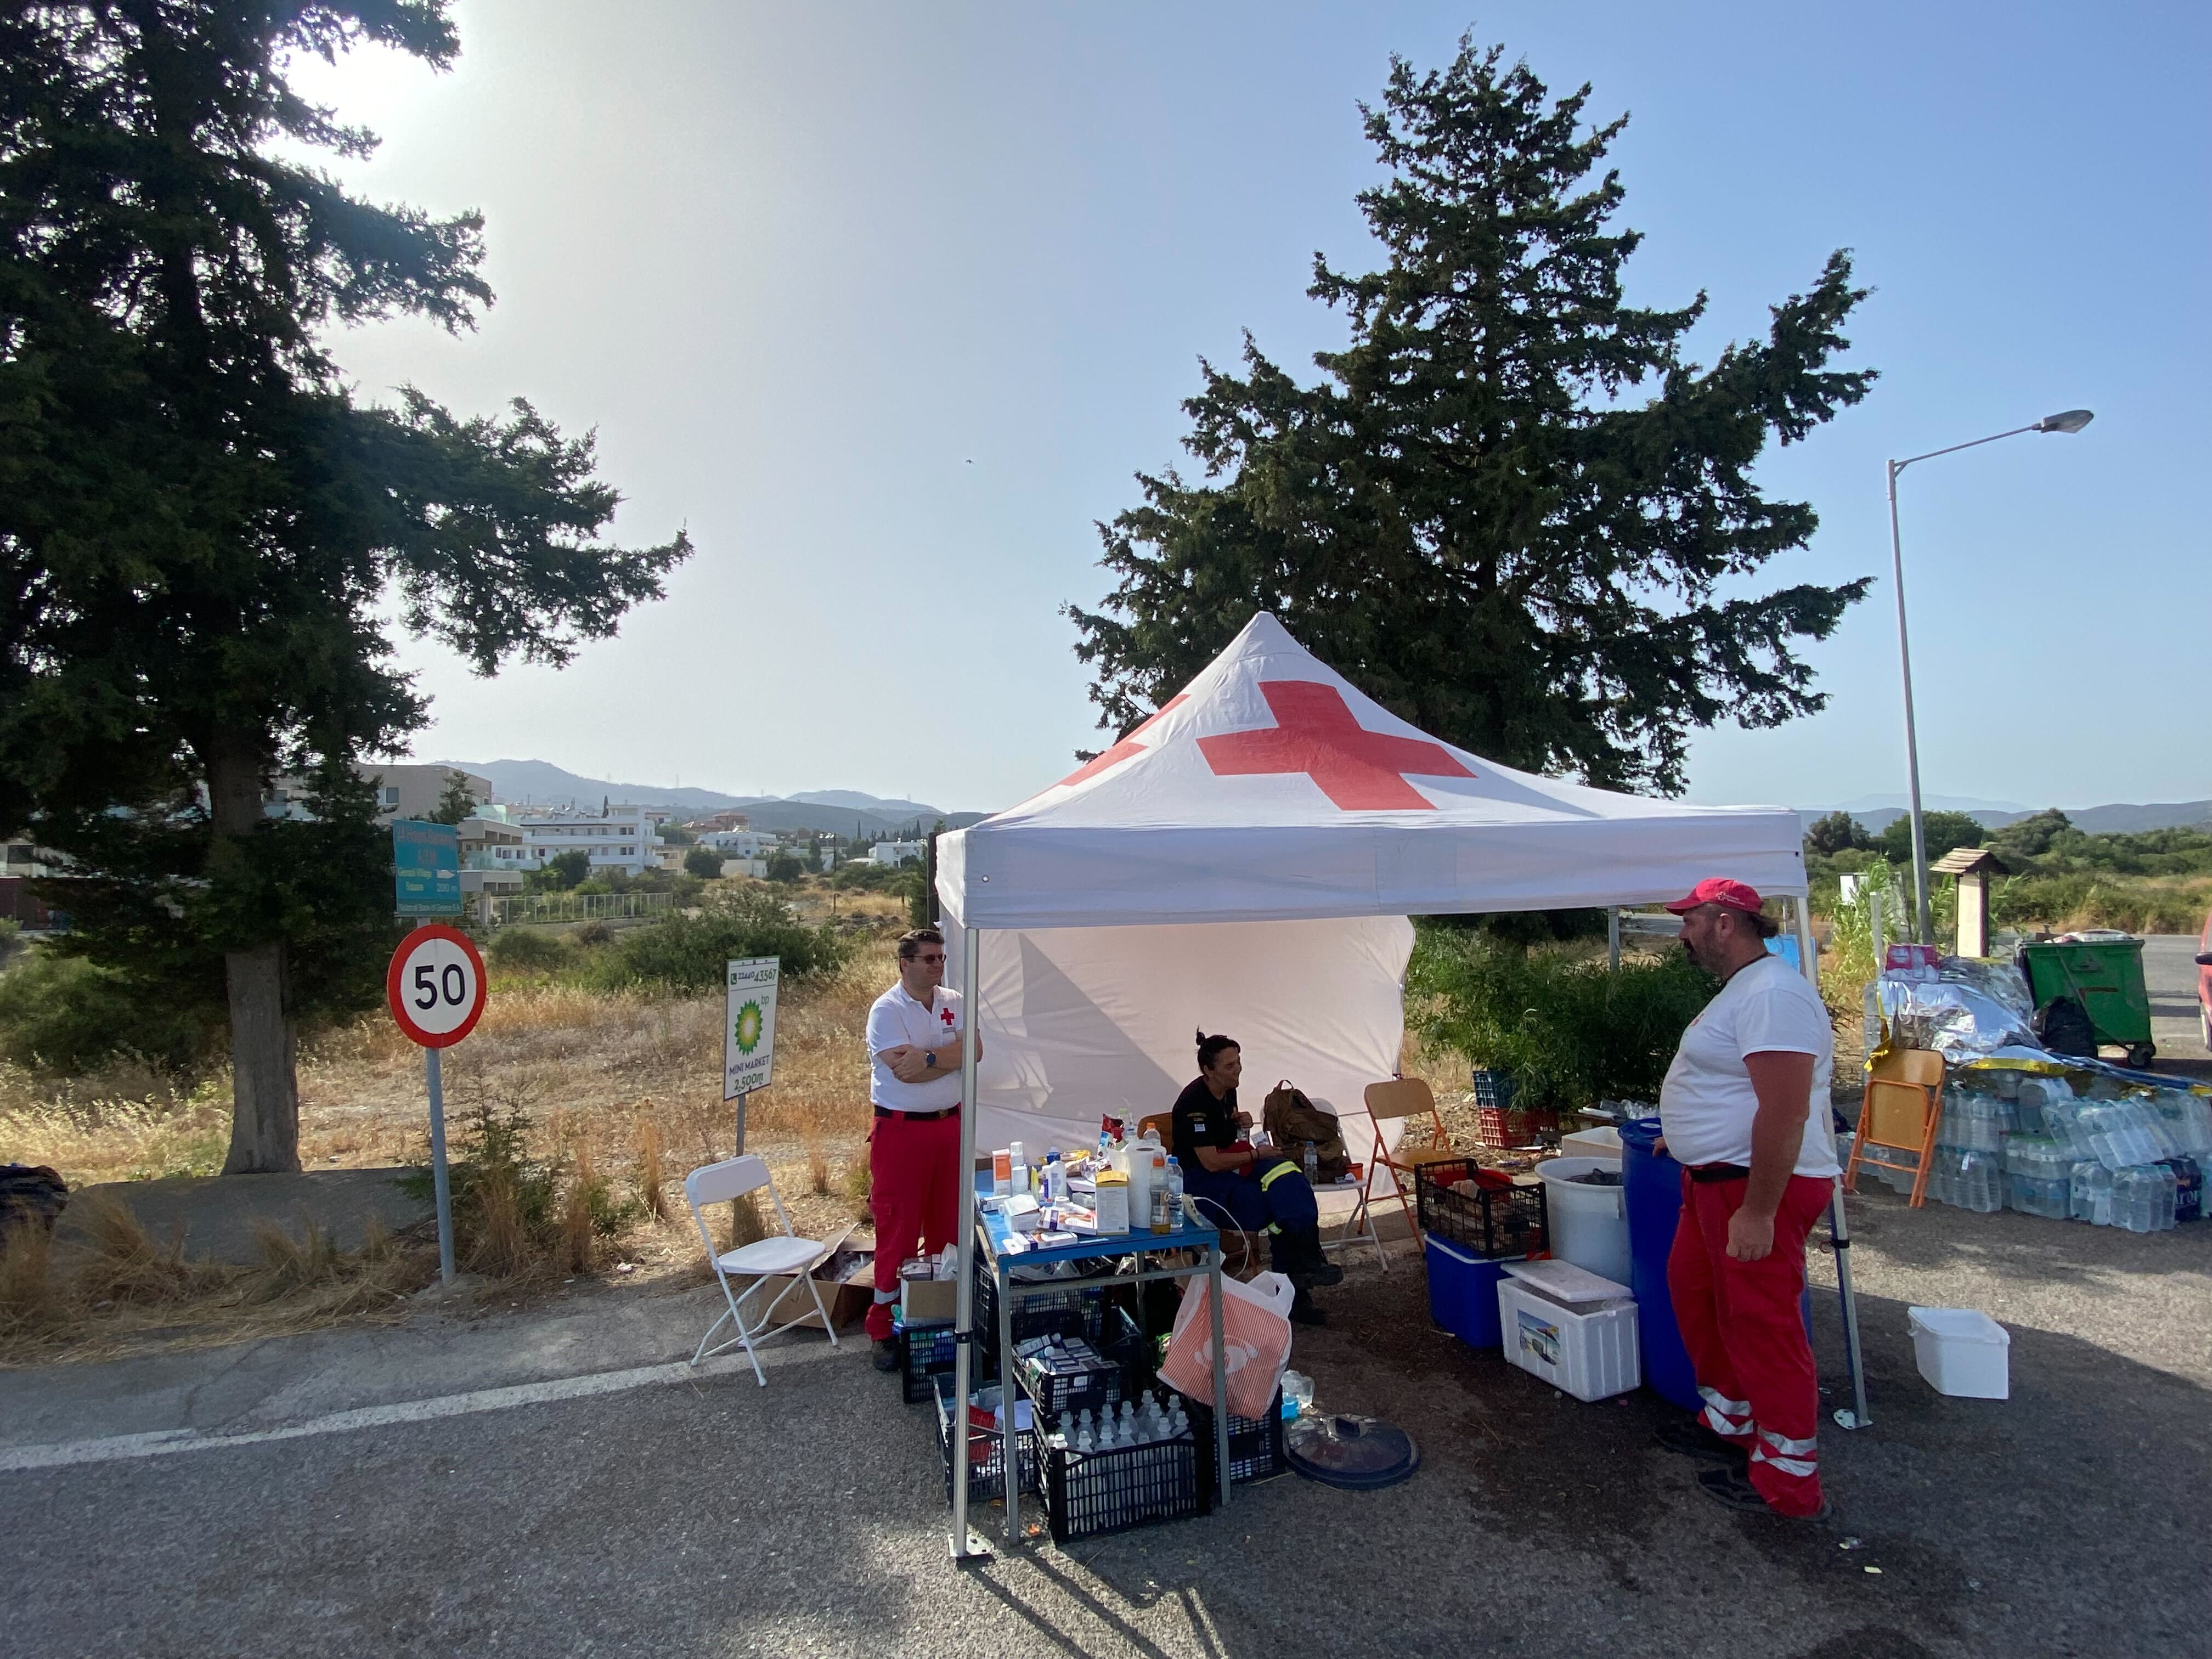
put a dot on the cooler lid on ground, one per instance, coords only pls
(1360, 1453)
(1562, 1281)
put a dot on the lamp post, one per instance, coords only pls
(2071, 420)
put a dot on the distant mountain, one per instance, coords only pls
(840, 812)
(2118, 819)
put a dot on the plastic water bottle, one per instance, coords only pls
(2091, 1194)
(1175, 1189)
(1313, 1166)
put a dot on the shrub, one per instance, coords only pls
(692, 952)
(704, 862)
(784, 868)
(525, 950)
(1570, 1032)
(69, 1014)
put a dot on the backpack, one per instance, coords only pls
(1294, 1122)
(2064, 1026)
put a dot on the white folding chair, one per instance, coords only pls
(720, 1184)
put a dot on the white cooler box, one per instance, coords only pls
(1572, 1329)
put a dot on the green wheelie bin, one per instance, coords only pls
(2106, 976)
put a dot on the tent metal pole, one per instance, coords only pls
(1613, 938)
(1854, 1416)
(967, 1545)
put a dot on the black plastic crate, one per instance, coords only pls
(1055, 1393)
(928, 1351)
(1088, 1494)
(1493, 1222)
(1255, 1448)
(987, 1452)
(1039, 1310)
(1128, 1345)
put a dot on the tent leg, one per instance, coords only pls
(967, 1546)
(1613, 938)
(1855, 1415)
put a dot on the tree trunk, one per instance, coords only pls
(264, 1090)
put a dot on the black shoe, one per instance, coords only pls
(887, 1354)
(1304, 1310)
(1303, 1262)
(1690, 1436)
(1732, 1490)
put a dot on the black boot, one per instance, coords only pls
(1299, 1257)
(1303, 1311)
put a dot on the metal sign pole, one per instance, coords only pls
(439, 1183)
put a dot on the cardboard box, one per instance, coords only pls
(847, 1281)
(925, 1301)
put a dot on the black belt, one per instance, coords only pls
(1719, 1172)
(916, 1117)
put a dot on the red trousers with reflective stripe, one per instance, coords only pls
(916, 1166)
(1745, 1331)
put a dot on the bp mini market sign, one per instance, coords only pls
(748, 1026)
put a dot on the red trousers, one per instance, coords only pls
(915, 1165)
(1745, 1331)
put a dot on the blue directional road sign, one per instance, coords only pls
(426, 868)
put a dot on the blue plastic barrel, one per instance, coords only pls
(1653, 1183)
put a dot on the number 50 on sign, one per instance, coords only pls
(748, 1026)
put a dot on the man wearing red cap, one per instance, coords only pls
(1745, 1111)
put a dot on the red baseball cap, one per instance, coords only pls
(1719, 889)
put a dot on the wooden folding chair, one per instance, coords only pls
(1900, 1112)
(1402, 1100)
(1240, 1250)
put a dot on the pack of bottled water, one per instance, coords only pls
(2188, 1119)
(1968, 1178)
(2143, 1198)
(2089, 1193)
(1974, 1121)
(2038, 1176)
(2123, 1133)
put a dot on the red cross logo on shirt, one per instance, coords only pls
(1316, 733)
(1128, 746)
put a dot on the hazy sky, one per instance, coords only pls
(886, 303)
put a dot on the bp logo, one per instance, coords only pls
(748, 1028)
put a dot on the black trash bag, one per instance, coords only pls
(33, 1193)
(2062, 1026)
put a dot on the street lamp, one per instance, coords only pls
(2070, 420)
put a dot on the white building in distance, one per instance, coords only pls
(617, 837)
(889, 853)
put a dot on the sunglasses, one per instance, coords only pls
(935, 960)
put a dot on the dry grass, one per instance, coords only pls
(621, 1091)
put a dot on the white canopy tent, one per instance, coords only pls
(1245, 860)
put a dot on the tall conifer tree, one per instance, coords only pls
(198, 524)
(1510, 509)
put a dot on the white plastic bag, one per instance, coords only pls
(1255, 1340)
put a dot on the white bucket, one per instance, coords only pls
(1590, 1224)
(1962, 1351)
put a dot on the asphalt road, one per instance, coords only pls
(374, 1498)
(2170, 975)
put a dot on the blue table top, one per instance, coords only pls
(1189, 1235)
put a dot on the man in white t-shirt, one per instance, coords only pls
(914, 1146)
(1745, 1111)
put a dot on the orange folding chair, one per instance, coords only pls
(1900, 1112)
(1404, 1100)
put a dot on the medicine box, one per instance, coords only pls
(1571, 1327)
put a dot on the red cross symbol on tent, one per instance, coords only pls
(1128, 746)
(1316, 733)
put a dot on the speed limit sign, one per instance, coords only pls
(437, 986)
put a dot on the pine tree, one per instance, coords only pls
(1473, 514)
(456, 801)
(198, 523)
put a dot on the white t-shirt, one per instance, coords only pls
(896, 1017)
(1707, 1102)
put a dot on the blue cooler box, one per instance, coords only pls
(1463, 1293)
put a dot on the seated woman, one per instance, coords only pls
(1254, 1189)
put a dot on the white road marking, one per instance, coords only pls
(112, 1448)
